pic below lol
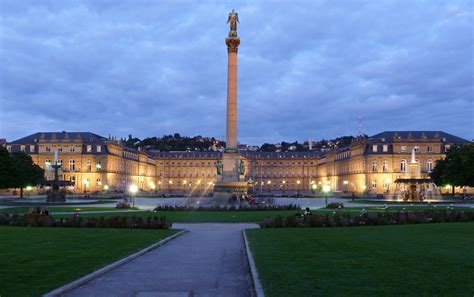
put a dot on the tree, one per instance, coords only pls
(24, 172)
(457, 169)
(5, 168)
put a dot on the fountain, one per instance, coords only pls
(412, 187)
(57, 193)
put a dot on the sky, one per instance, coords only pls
(306, 69)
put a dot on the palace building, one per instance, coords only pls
(95, 163)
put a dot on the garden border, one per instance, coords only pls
(87, 278)
(257, 286)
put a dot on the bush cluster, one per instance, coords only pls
(123, 205)
(226, 208)
(364, 219)
(335, 205)
(75, 221)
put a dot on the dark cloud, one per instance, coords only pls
(306, 69)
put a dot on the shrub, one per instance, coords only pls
(364, 219)
(76, 221)
(335, 205)
(123, 205)
(226, 208)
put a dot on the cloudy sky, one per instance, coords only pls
(307, 69)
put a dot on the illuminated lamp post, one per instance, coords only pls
(106, 188)
(133, 190)
(326, 190)
(28, 189)
(298, 189)
(314, 187)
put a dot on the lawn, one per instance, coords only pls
(37, 260)
(409, 260)
(200, 216)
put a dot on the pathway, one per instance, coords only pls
(209, 260)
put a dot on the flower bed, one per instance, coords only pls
(227, 208)
(75, 221)
(364, 219)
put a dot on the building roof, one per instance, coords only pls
(417, 135)
(85, 137)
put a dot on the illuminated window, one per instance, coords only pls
(417, 149)
(88, 165)
(47, 162)
(447, 147)
(403, 148)
(22, 148)
(89, 148)
(403, 165)
(32, 148)
(374, 166)
(59, 162)
(99, 148)
(385, 148)
(72, 165)
(98, 165)
(384, 166)
(374, 184)
(429, 165)
(386, 184)
(374, 148)
(9, 148)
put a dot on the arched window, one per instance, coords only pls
(429, 165)
(384, 166)
(88, 165)
(403, 165)
(72, 165)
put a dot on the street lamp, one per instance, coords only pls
(314, 187)
(133, 190)
(29, 188)
(106, 188)
(326, 190)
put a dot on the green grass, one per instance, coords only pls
(58, 209)
(37, 260)
(407, 208)
(410, 260)
(200, 216)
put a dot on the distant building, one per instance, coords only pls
(368, 164)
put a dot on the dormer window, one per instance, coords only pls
(32, 148)
(99, 148)
(403, 148)
(374, 148)
(22, 148)
(89, 148)
(9, 148)
(385, 148)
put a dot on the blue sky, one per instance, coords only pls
(307, 69)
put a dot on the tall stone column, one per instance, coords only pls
(231, 129)
(230, 183)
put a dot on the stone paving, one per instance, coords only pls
(209, 260)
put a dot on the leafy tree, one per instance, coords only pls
(24, 172)
(5, 168)
(457, 169)
(267, 147)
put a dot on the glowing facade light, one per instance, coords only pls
(298, 182)
(447, 186)
(152, 186)
(29, 188)
(314, 187)
(106, 187)
(133, 189)
(345, 182)
(326, 188)
(170, 182)
(269, 182)
(185, 181)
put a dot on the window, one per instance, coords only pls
(98, 182)
(446, 147)
(60, 149)
(9, 148)
(48, 149)
(374, 166)
(417, 149)
(47, 162)
(98, 166)
(403, 165)
(374, 184)
(72, 149)
(99, 148)
(72, 165)
(385, 148)
(89, 148)
(59, 162)
(72, 179)
(430, 149)
(374, 148)
(403, 148)
(88, 165)
(32, 148)
(386, 184)
(22, 148)
(429, 165)
(384, 166)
